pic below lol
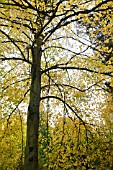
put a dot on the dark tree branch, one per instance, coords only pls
(13, 42)
(14, 58)
(64, 102)
(63, 48)
(55, 84)
(73, 87)
(64, 21)
(19, 81)
(16, 107)
(57, 66)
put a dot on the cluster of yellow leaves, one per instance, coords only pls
(12, 143)
(71, 150)
(77, 147)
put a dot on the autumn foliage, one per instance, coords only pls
(56, 70)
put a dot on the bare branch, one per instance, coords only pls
(57, 66)
(4, 33)
(73, 87)
(64, 102)
(15, 58)
(17, 106)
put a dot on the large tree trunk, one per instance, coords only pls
(31, 152)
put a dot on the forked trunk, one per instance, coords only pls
(31, 152)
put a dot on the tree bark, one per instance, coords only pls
(31, 151)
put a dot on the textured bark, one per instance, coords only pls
(31, 153)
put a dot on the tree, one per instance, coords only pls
(29, 36)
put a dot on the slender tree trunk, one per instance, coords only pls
(31, 152)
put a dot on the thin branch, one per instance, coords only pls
(64, 21)
(4, 33)
(63, 48)
(73, 87)
(55, 84)
(19, 81)
(17, 106)
(22, 140)
(64, 102)
(14, 58)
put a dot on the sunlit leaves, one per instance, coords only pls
(73, 151)
(12, 141)
(76, 62)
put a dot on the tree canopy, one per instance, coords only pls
(57, 82)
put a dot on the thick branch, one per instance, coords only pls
(76, 68)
